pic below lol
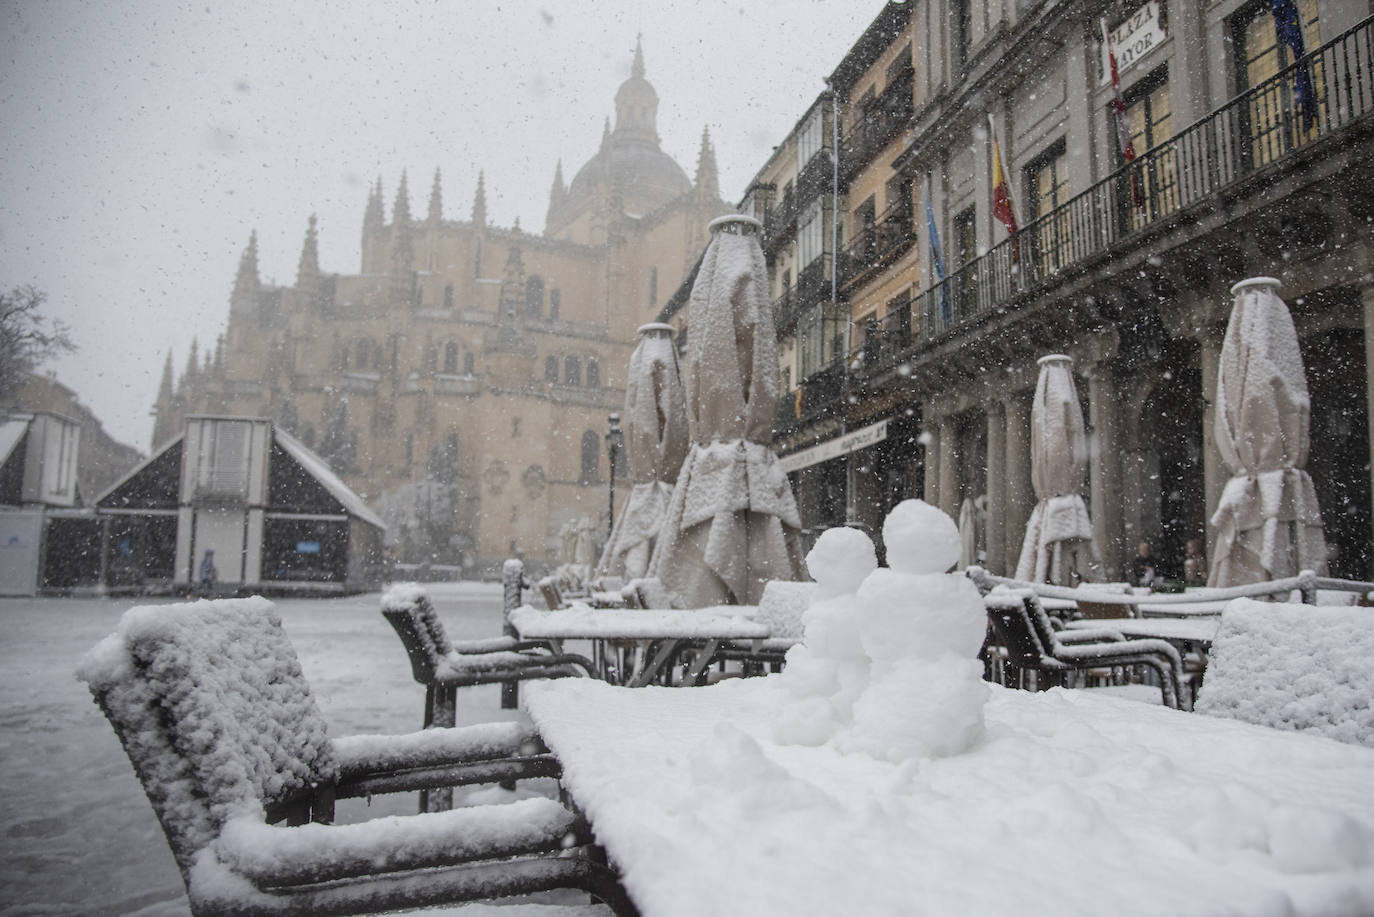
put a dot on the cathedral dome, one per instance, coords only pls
(630, 163)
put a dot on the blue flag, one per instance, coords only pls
(1288, 30)
(937, 261)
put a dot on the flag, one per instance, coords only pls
(1123, 130)
(937, 261)
(1288, 30)
(1002, 207)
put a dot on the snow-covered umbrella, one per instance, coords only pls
(732, 523)
(1058, 547)
(1268, 522)
(968, 534)
(655, 446)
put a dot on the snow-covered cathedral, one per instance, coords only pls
(461, 380)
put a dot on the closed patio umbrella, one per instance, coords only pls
(732, 523)
(1058, 547)
(1268, 523)
(655, 446)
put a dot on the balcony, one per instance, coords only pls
(885, 341)
(876, 127)
(780, 224)
(817, 397)
(878, 244)
(1163, 187)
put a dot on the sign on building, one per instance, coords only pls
(1137, 35)
(834, 448)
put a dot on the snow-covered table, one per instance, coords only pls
(657, 635)
(1078, 803)
(1186, 633)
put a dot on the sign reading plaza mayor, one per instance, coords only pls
(1138, 35)
(833, 448)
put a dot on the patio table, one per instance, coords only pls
(656, 635)
(1165, 812)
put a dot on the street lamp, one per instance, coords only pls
(615, 441)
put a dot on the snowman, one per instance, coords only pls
(829, 669)
(921, 630)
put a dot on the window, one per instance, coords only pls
(964, 284)
(431, 358)
(811, 237)
(469, 363)
(362, 349)
(591, 457)
(1047, 186)
(555, 300)
(1276, 118)
(862, 246)
(593, 374)
(448, 296)
(343, 359)
(551, 369)
(787, 378)
(534, 296)
(410, 449)
(1152, 189)
(451, 358)
(810, 138)
(572, 371)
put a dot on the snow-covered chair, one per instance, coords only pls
(210, 704)
(1301, 667)
(443, 666)
(1032, 643)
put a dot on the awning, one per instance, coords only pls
(833, 448)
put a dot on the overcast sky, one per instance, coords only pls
(142, 141)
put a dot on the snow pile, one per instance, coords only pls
(782, 607)
(888, 665)
(1300, 667)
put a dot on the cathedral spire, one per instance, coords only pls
(436, 202)
(479, 202)
(402, 252)
(192, 368)
(373, 217)
(637, 68)
(308, 268)
(246, 281)
(557, 195)
(164, 390)
(707, 180)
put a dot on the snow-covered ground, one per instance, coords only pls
(78, 834)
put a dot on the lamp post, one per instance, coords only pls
(615, 441)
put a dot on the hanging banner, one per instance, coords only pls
(834, 448)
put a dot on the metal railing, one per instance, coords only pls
(876, 127)
(817, 396)
(1253, 130)
(875, 244)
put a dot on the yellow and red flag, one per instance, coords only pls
(1002, 207)
(1123, 130)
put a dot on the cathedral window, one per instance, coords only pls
(591, 457)
(593, 374)
(534, 296)
(451, 358)
(551, 369)
(572, 371)
(555, 300)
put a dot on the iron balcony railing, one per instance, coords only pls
(884, 338)
(815, 397)
(876, 126)
(876, 244)
(1253, 130)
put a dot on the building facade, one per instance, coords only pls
(461, 380)
(1249, 161)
